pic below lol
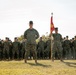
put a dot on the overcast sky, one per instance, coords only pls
(16, 14)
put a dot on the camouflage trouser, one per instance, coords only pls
(74, 53)
(15, 51)
(5, 51)
(67, 52)
(40, 53)
(56, 47)
(1, 53)
(22, 53)
(47, 52)
(29, 48)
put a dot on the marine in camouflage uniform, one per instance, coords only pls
(48, 48)
(41, 45)
(1, 51)
(16, 47)
(63, 48)
(57, 45)
(67, 48)
(10, 48)
(23, 48)
(31, 35)
(74, 48)
(6, 46)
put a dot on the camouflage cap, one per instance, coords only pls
(30, 22)
(66, 36)
(72, 38)
(6, 37)
(15, 38)
(40, 37)
(56, 28)
(75, 36)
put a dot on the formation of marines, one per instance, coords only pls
(53, 48)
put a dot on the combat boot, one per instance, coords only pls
(25, 61)
(36, 61)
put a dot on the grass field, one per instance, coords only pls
(44, 67)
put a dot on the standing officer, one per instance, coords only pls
(48, 48)
(23, 48)
(6, 45)
(16, 47)
(1, 51)
(10, 49)
(67, 48)
(74, 48)
(41, 45)
(57, 45)
(31, 35)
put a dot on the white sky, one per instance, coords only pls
(15, 15)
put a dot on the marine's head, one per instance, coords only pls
(72, 39)
(6, 38)
(40, 38)
(24, 40)
(64, 38)
(31, 24)
(15, 39)
(56, 30)
(75, 37)
(67, 37)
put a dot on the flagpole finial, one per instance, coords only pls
(52, 13)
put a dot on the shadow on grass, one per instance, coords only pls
(70, 64)
(39, 64)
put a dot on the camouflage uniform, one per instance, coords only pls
(67, 49)
(6, 49)
(74, 49)
(16, 47)
(41, 45)
(10, 48)
(23, 49)
(63, 52)
(31, 35)
(1, 51)
(57, 45)
(48, 48)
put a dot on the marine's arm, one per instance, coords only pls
(37, 34)
(25, 34)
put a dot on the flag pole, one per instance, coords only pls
(51, 38)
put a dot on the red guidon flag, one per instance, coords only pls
(51, 25)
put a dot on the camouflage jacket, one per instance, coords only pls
(31, 35)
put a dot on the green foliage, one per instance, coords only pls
(21, 38)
